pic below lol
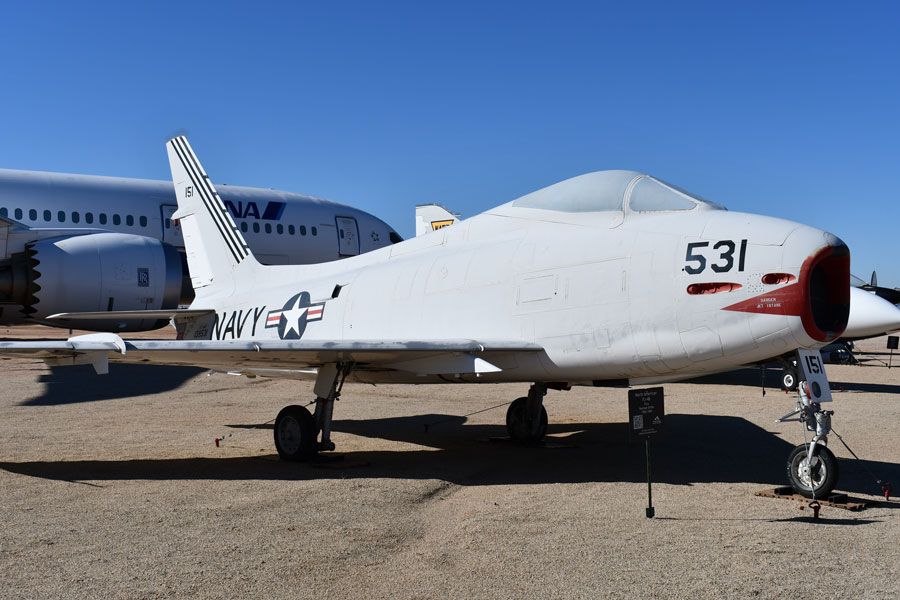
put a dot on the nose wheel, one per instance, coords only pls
(812, 476)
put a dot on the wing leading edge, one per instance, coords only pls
(421, 357)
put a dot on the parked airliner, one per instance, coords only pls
(73, 243)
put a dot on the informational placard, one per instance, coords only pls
(814, 374)
(645, 412)
(893, 342)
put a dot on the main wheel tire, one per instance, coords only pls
(816, 481)
(520, 426)
(295, 433)
(789, 380)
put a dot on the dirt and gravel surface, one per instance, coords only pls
(113, 487)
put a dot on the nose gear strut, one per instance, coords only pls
(812, 468)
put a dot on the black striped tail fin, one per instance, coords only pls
(215, 248)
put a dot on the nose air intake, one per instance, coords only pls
(820, 296)
(826, 276)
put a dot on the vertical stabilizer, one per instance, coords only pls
(431, 217)
(216, 251)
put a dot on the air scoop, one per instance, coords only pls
(821, 294)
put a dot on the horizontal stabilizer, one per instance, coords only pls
(5, 222)
(127, 315)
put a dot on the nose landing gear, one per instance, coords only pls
(812, 469)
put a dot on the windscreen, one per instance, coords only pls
(650, 195)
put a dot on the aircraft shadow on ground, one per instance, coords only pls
(694, 449)
(753, 378)
(74, 384)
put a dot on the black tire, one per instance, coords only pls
(295, 433)
(789, 380)
(824, 474)
(519, 425)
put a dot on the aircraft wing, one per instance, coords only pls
(7, 222)
(422, 357)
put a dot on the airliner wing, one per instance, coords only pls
(423, 357)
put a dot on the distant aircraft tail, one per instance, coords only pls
(430, 217)
(217, 253)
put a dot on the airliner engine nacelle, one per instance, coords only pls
(96, 272)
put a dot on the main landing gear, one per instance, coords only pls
(812, 469)
(297, 431)
(790, 375)
(526, 417)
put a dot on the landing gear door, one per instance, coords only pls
(348, 236)
(171, 229)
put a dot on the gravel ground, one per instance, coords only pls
(113, 487)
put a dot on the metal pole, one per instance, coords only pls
(649, 512)
(891, 358)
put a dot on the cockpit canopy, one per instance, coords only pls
(612, 191)
(857, 281)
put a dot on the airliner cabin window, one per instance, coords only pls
(143, 221)
(32, 214)
(61, 216)
(89, 217)
(76, 217)
(244, 227)
(256, 228)
(18, 213)
(47, 215)
(117, 220)
(279, 228)
(303, 230)
(103, 218)
(314, 230)
(129, 220)
(3, 212)
(291, 229)
(268, 228)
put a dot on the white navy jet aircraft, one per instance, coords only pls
(872, 312)
(608, 278)
(76, 243)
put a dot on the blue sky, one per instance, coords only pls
(789, 109)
